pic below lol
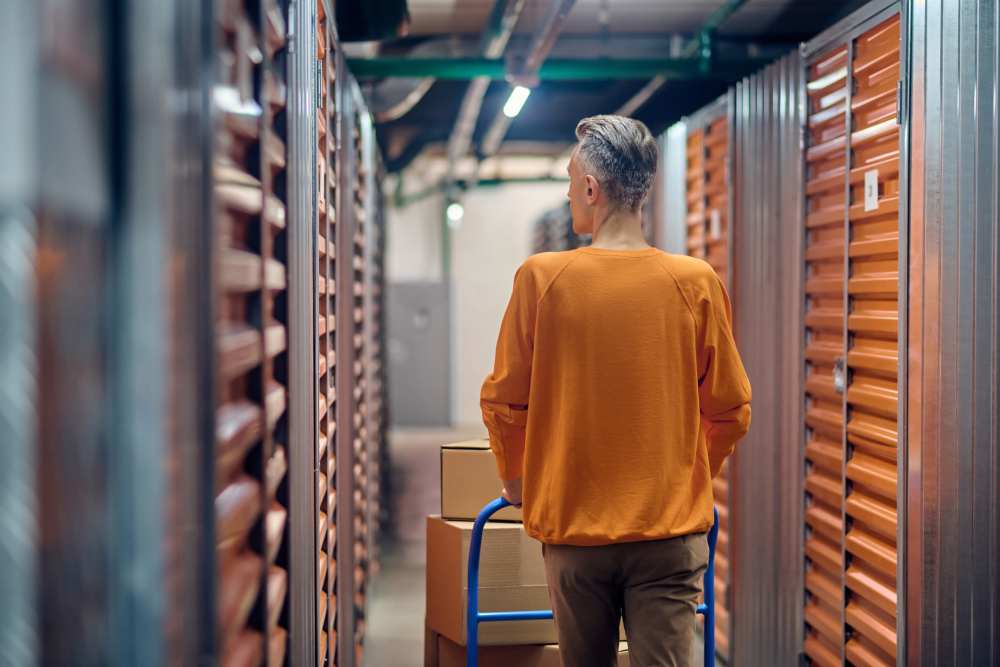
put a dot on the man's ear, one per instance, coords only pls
(593, 188)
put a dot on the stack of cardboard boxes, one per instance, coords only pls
(511, 571)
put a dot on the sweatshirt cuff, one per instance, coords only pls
(507, 428)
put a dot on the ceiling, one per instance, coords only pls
(594, 28)
(435, 17)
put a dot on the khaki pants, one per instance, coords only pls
(654, 585)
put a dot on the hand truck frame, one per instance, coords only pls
(474, 617)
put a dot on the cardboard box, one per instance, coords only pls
(447, 653)
(511, 578)
(469, 480)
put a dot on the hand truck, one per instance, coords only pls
(474, 617)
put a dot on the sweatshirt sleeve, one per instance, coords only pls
(504, 396)
(724, 388)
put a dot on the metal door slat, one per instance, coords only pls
(869, 624)
(869, 583)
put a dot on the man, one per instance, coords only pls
(616, 396)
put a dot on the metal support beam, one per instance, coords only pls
(703, 44)
(541, 46)
(722, 14)
(301, 238)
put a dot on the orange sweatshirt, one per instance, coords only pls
(617, 393)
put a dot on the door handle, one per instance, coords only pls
(839, 375)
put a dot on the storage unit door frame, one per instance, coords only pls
(302, 303)
(865, 376)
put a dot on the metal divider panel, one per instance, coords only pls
(696, 193)
(873, 322)
(827, 94)
(248, 340)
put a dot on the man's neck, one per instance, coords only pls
(620, 230)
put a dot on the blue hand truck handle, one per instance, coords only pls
(473, 617)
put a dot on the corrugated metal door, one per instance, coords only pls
(716, 187)
(326, 353)
(708, 239)
(274, 180)
(359, 469)
(873, 352)
(824, 321)
(852, 319)
(696, 193)
(250, 161)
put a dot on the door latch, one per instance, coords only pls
(839, 375)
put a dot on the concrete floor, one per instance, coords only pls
(395, 635)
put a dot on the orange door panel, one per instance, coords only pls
(826, 87)
(872, 324)
(326, 332)
(851, 322)
(708, 239)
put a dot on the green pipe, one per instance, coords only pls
(574, 69)
(401, 200)
(706, 36)
(719, 16)
(495, 182)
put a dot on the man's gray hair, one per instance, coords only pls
(621, 154)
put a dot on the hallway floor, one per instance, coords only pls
(395, 633)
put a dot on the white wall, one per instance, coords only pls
(413, 241)
(493, 240)
(486, 249)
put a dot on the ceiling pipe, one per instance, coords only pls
(541, 45)
(405, 105)
(496, 35)
(701, 44)
(553, 69)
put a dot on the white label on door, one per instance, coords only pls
(871, 189)
(715, 224)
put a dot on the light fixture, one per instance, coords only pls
(455, 212)
(516, 101)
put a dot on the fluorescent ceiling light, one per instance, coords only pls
(516, 101)
(455, 212)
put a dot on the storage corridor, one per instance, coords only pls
(291, 290)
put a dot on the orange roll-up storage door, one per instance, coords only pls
(873, 352)
(851, 322)
(827, 93)
(326, 352)
(708, 238)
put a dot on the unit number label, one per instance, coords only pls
(871, 189)
(715, 224)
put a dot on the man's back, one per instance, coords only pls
(626, 362)
(616, 395)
